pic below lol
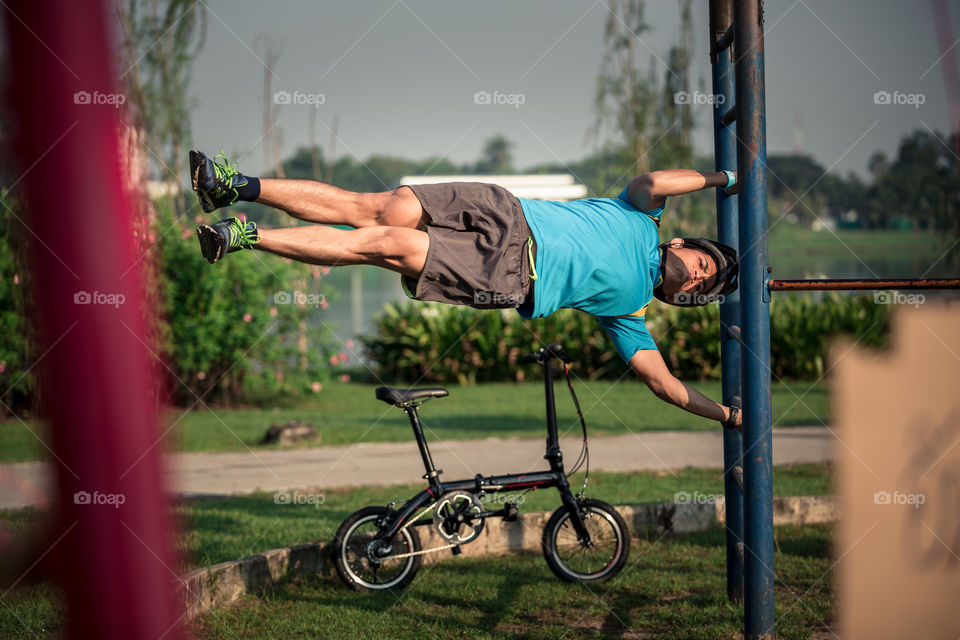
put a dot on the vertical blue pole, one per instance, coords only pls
(725, 154)
(755, 311)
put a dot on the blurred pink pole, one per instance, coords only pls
(113, 561)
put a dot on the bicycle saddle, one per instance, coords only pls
(401, 396)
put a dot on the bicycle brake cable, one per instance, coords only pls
(585, 449)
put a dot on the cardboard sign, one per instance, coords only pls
(898, 430)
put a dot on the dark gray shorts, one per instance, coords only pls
(478, 254)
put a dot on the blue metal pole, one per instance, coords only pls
(725, 154)
(755, 311)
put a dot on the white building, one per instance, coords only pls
(536, 186)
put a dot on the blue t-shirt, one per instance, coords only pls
(598, 255)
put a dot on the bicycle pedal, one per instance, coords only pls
(456, 550)
(510, 512)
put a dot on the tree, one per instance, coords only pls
(920, 185)
(496, 156)
(160, 43)
(626, 97)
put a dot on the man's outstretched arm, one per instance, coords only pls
(649, 365)
(650, 190)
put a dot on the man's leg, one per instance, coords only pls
(395, 248)
(326, 204)
(218, 184)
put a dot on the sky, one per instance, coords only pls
(402, 76)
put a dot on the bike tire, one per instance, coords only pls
(356, 570)
(608, 530)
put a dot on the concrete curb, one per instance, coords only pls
(205, 589)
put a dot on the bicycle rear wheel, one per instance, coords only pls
(356, 568)
(602, 559)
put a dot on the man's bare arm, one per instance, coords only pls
(648, 364)
(650, 190)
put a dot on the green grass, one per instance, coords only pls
(220, 529)
(229, 528)
(342, 413)
(669, 589)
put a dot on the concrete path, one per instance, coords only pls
(27, 483)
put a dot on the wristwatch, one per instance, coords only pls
(731, 421)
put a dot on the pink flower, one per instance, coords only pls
(350, 344)
(287, 260)
(316, 272)
(247, 317)
(16, 278)
(198, 218)
(186, 233)
(345, 378)
(343, 357)
(326, 270)
(3, 367)
(279, 375)
(316, 386)
(273, 311)
(334, 360)
(323, 304)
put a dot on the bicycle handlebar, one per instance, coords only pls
(547, 353)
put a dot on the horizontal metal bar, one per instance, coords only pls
(855, 284)
(726, 39)
(729, 116)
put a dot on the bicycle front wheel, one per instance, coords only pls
(601, 558)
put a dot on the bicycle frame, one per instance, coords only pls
(554, 477)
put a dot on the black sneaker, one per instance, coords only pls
(215, 183)
(226, 236)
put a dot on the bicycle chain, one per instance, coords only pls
(421, 552)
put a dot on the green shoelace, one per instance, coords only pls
(224, 173)
(243, 234)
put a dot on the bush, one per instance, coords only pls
(230, 330)
(442, 343)
(16, 379)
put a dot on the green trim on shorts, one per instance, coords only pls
(406, 287)
(533, 265)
